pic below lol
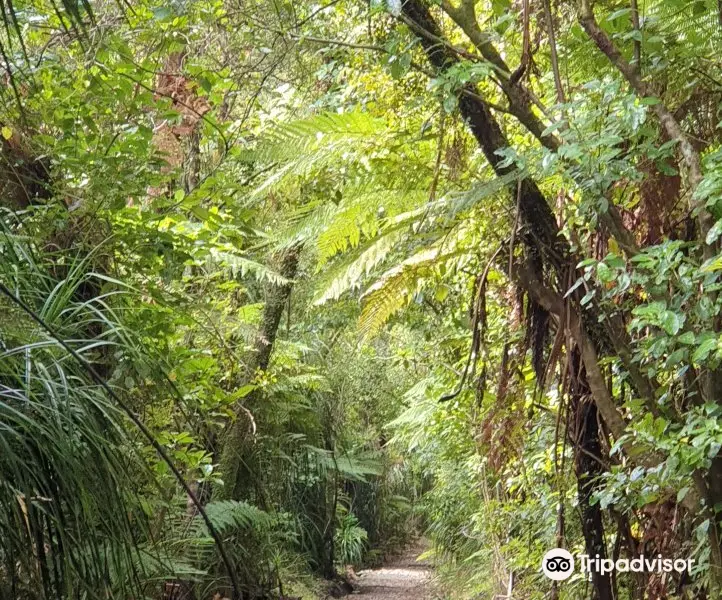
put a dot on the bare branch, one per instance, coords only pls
(553, 51)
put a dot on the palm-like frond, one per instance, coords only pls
(229, 515)
(694, 23)
(308, 145)
(377, 212)
(73, 523)
(350, 273)
(309, 142)
(394, 289)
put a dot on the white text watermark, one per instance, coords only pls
(558, 564)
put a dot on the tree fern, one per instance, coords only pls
(310, 144)
(694, 23)
(242, 266)
(395, 288)
(320, 137)
(356, 467)
(441, 216)
(362, 214)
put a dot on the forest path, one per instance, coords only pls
(403, 578)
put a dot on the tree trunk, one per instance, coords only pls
(534, 210)
(231, 462)
(533, 207)
(546, 242)
(587, 468)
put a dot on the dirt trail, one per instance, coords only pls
(403, 578)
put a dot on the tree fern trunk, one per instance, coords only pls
(277, 296)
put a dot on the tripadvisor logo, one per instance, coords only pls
(558, 564)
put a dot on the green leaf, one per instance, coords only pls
(202, 213)
(687, 338)
(714, 232)
(671, 322)
(161, 13)
(243, 391)
(450, 103)
(588, 297)
(704, 349)
(619, 13)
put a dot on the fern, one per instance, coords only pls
(228, 516)
(441, 215)
(360, 215)
(305, 223)
(349, 274)
(423, 406)
(694, 23)
(320, 135)
(240, 265)
(393, 290)
(311, 144)
(348, 466)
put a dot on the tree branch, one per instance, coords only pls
(671, 126)
(553, 51)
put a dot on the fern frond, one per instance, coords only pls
(230, 515)
(307, 381)
(305, 223)
(694, 22)
(441, 215)
(342, 233)
(350, 273)
(393, 291)
(239, 265)
(360, 216)
(456, 203)
(349, 466)
(332, 131)
(358, 467)
(311, 144)
(396, 287)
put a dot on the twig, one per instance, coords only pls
(513, 229)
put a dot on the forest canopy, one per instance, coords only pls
(286, 285)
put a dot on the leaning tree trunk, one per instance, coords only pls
(545, 242)
(533, 207)
(584, 434)
(277, 296)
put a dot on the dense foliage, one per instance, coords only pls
(285, 284)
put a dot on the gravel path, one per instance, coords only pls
(403, 578)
